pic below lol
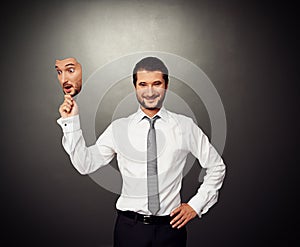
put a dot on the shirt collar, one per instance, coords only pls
(139, 115)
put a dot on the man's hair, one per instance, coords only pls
(151, 64)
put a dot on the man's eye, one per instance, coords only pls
(58, 72)
(142, 84)
(157, 83)
(71, 70)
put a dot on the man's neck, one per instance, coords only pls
(150, 112)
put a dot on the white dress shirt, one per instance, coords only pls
(176, 135)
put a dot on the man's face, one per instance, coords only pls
(69, 74)
(150, 89)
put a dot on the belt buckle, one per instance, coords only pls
(146, 219)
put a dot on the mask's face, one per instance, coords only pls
(69, 74)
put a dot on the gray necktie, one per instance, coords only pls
(152, 180)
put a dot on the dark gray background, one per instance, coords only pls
(247, 49)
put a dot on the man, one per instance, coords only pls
(151, 147)
(69, 74)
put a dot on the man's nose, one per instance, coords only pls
(150, 90)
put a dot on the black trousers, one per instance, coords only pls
(133, 233)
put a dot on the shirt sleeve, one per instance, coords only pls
(201, 148)
(85, 159)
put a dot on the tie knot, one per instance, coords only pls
(152, 121)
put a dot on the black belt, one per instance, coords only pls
(146, 219)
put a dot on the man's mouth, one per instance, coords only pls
(151, 98)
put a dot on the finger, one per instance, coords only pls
(68, 101)
(183, 223)
(66, 108)
(176, 219)
(177, 215)
(68, 96)
(175, 211)
(178, 222)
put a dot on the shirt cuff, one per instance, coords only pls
(200, 206)
(197, 209)
(69, 124)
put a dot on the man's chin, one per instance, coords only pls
(151, 107)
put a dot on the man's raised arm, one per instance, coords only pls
(85, 159)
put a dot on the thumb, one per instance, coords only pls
(75, 109)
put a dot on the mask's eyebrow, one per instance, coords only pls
(69, 64)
